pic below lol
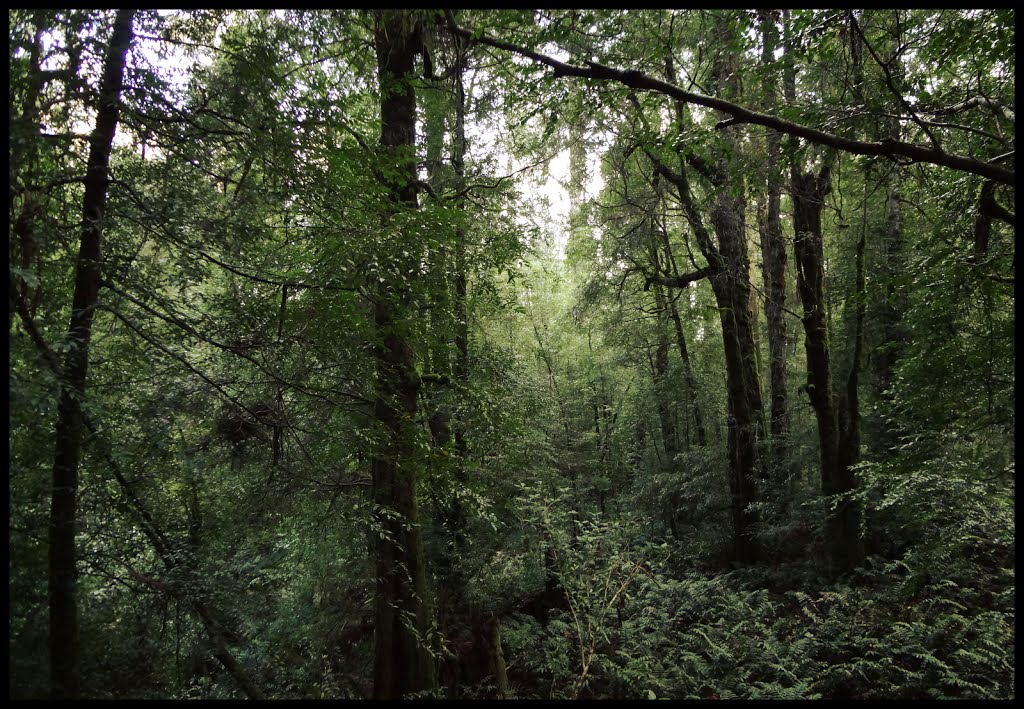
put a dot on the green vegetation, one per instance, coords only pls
(512, 354)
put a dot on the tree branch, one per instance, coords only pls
(680, 281)
(887, 147)
(890, 82)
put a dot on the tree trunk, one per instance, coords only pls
(498, 658)
(729, 272)
(842, 527)
(444, 425)
(24, 153)
(739, 321)
(684, 354)
(402, 662)
(773, 256)
(745, 424)
(661, 390)
(461, 367)
(278, 441)
(691, 380)
(893, 305)
(64, 505)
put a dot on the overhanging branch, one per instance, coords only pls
(886, 147)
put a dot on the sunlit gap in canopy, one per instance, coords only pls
(542, 185)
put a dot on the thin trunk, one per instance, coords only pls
(461, 367)
(171, 560)
(566, 431)
(894, 333)
(664, 406)
(498, 658)
(452, 601)
(849, 409)
(23, 154)
(278, 443)
(661, 390)
(684, 354)
(64, 507)
(402, 663)
(438, 356)
(691, 380)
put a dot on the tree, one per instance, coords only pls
(402, 661)
(773, 252)
(69, 428)
(371, 407)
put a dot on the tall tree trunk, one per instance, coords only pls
(402, 663)
(444, 425)
(773, 258)
(64, 504)
(849, 405)
(808, 192)
(893, 303)
(666, 419)
(24, 153)
(745, 425)
(691, 380)
(729, 272)
(437, 351)
(460, 370)
(739, 321)
(278, 441)
(834, 430)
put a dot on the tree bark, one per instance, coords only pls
(24, 152)
(445, 425)
(498, 658)
(64, 503)
(728, 270)
(402, 662)
(892, 306)
(842, 527)
(773, 255)
(732, 290)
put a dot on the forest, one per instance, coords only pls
(511, 354)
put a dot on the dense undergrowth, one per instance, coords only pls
(935, 621)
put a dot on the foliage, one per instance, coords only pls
(554, 303)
